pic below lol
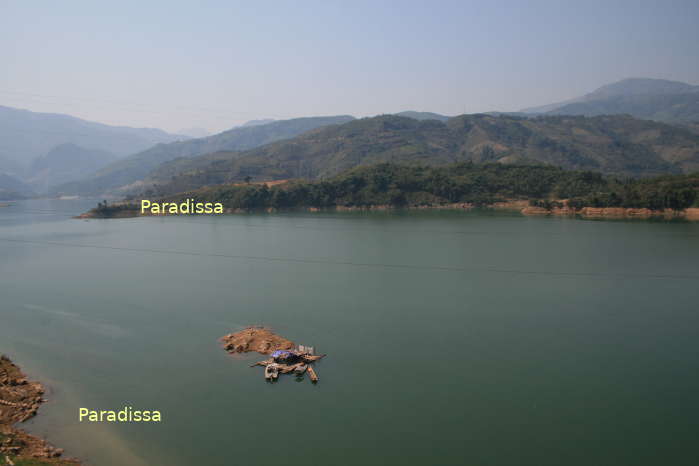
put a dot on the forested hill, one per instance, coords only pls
(394, 185)
(619, 145)
(137, 166)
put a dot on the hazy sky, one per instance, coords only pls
(216, 64)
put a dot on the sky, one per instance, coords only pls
(217, 64)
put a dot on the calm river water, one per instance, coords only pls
(452, 338)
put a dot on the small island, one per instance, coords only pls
(285, 356)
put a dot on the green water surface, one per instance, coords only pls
(452, 338)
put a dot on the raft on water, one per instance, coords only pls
(285, 356)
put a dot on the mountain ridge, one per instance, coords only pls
(133, 168)
(647, 98)
(26, 135)
(422, 115)
(619, 145)
(64, 163)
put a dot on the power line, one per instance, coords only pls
(364, 264)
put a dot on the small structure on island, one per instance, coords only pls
(285, 356)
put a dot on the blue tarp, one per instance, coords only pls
(282, 353)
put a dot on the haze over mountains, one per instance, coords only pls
(59, 154)
(652, 99)
(64, 163)
(13, 188)
(194, 132)
(26, 135)
(135, 167)
(32, 143)
(263, 121)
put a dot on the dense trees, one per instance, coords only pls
(615, 145)
(479, 184)
(104, 209)
(675, 192)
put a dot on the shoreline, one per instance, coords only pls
(522, 206)
(689, 214)
(127, 212)
(20, 400)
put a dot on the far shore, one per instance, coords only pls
(524, 207)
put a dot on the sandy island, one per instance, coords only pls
(259, 339)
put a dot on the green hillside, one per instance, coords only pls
(397, 185)
(618, 145)
(136, 167)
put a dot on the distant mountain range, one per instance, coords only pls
(13, 188)
(40, 150)
(423, 115)
(652, 99)
(26, 135)
(60, 154)
(263, 121)
(135, 167)
(619, 145)
(64, 163)
(194, 132)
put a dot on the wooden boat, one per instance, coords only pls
(312, 374)
(300, 369)
(307, 358)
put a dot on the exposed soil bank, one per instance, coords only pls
(129, 211)
(19, 401)
(614, 212)
(515, 205)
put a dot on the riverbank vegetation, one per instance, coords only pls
(395, 185)
(476, 184)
